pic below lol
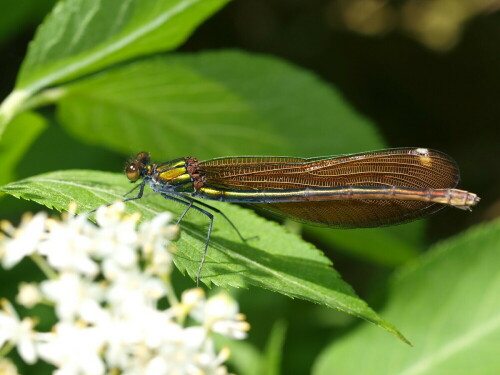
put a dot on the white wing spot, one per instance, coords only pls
(424, 157)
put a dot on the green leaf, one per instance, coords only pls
(245, 358)
(214, 104)
(276, 260)
(248, 360)
(388, 246)
(274, 349)
(24, 130)
(83, 36)
(447, 303)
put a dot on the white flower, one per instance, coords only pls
(121, 334)
(150, 342)
(74, 296)
(116, 240)
(156, 328)
(29, 295)
(69, 244)
(210, 363)
(179, 351)
(190, 352)
(154, 237)
(220, 314)
(157, 365)
(110, 216)
(7, 367)
(22, 241)
(160, 263)
(106, 281)
(115, 353)
(155, 234)
(131, 290)
(74, 350)
(190, 299)
(18, 332)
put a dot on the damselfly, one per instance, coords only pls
(370, 189)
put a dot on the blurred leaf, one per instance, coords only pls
(18, 138)
(388, 246)
(16, 16)
(214, 104)
(276, 260)
(248, 360)
(83, 36)
(447, 302)
(164, 108)
(274, 349)
(245, 358)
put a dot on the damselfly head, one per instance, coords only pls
(135, 169)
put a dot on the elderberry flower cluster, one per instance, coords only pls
(105, 283)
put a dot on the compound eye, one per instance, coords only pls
(133, 172)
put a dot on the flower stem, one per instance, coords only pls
(43, 265)
(9, 345)
(172, 298)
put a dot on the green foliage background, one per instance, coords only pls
(100, 82)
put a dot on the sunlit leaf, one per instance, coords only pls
(82, 36)
(275, 260)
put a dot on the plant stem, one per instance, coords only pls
(9, 345)
(43, 265)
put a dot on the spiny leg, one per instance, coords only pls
(190, 204)
(216, 210)
(168, 191)
(141, 191)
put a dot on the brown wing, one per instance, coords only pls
(405, 167)
(354, 214)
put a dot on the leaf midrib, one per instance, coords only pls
(99, 53)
